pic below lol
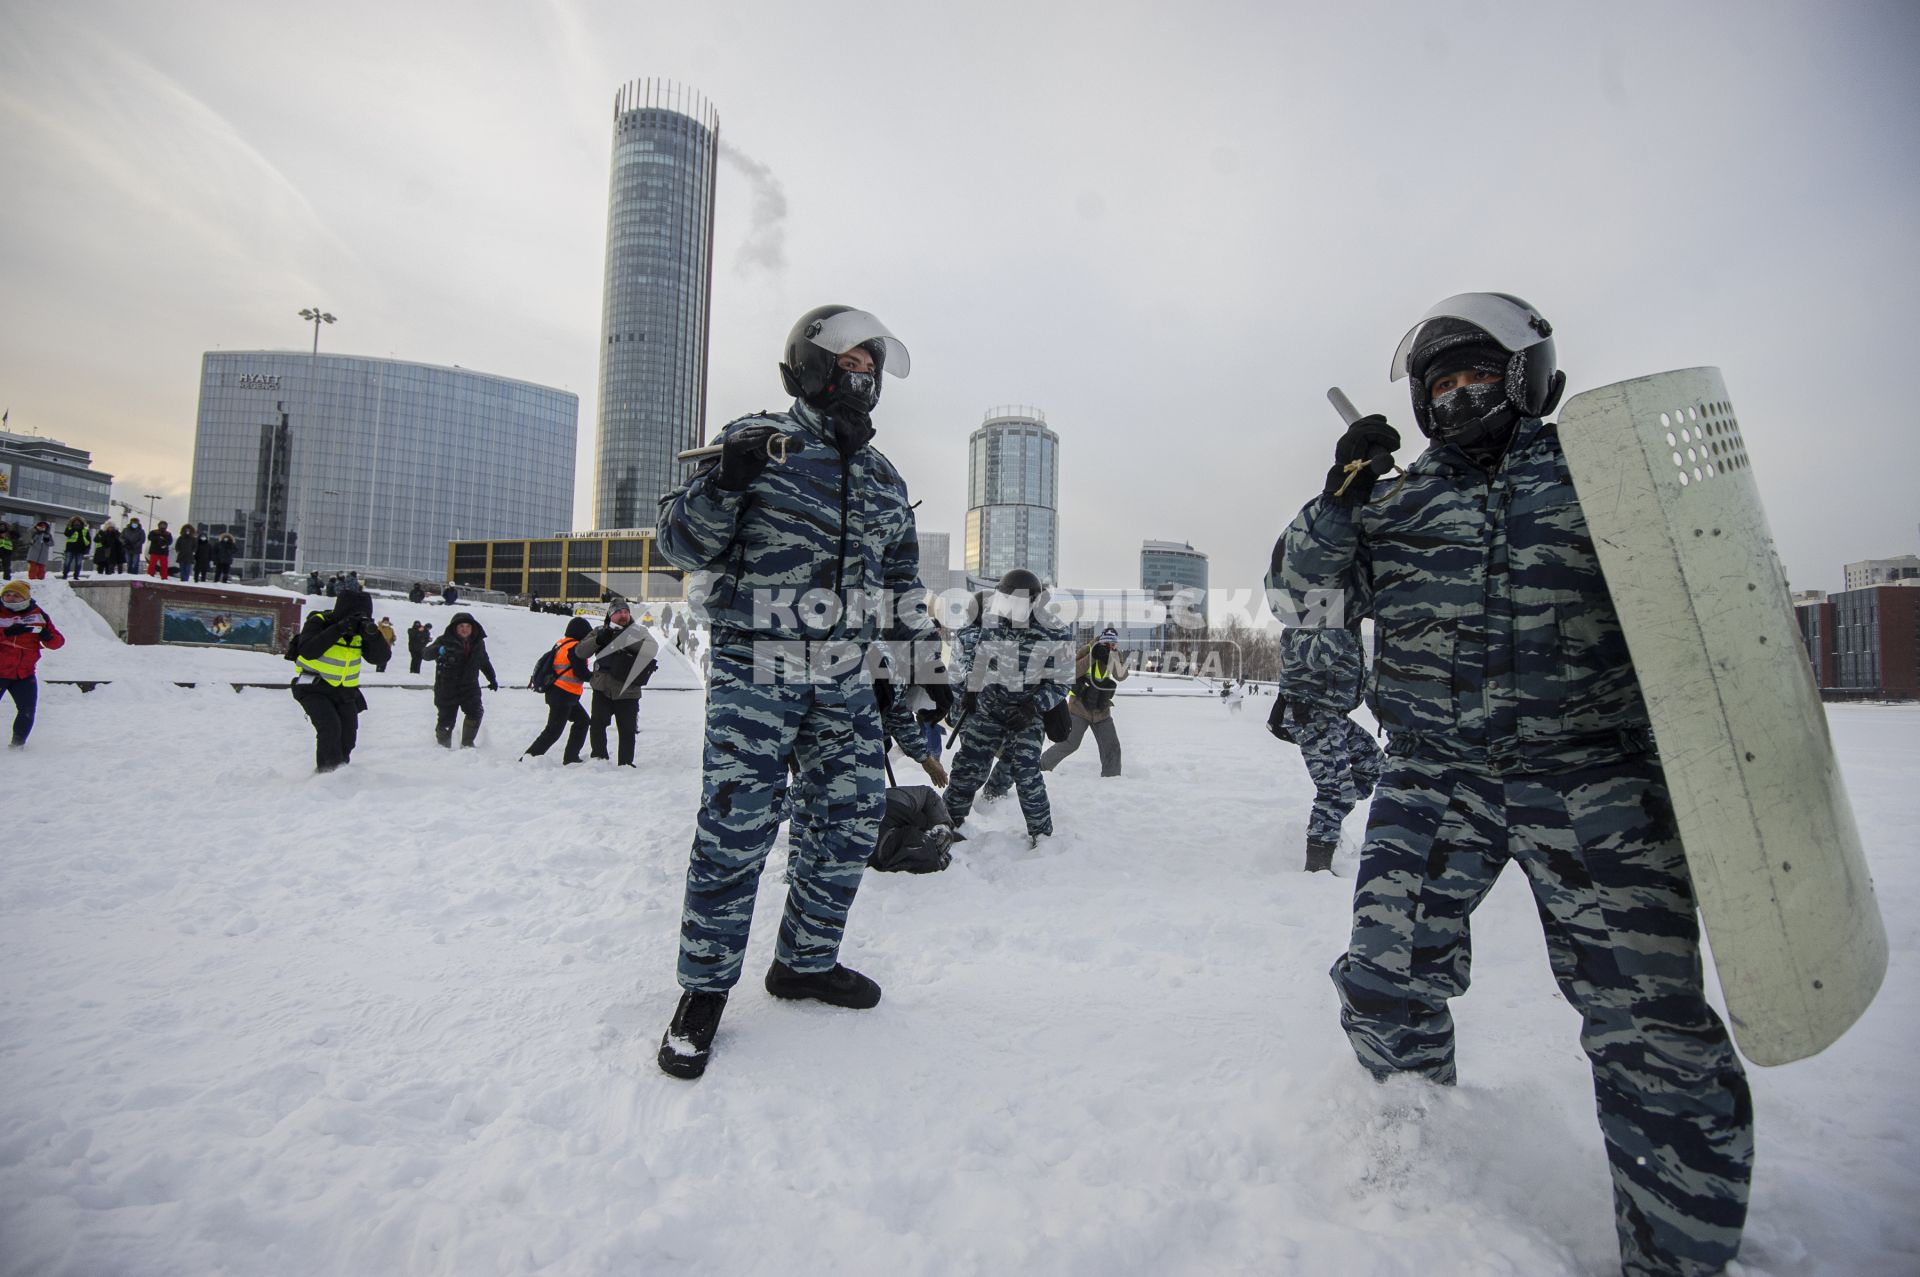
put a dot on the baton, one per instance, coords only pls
(1380, 461)
(776, 450)
(1343, 405)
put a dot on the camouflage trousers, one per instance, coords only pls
(1343, 761)
(1017, 744)
(1610, 883)
(833, 731)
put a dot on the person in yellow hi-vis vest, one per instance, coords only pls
(329, 651)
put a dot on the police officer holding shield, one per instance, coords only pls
(1516, 731)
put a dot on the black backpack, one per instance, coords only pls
(1283, 712)
(915, 832)
(544, 674)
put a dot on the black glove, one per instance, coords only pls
(647, 672)
(743, 456)
(941, 694)
(18, 627)
(969, 701)
(1058, 722)
(883, 695)
(493, 687)
(1371, 440)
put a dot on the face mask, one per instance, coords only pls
(14, 605)
(848, 402)
(1458, 410)
(855, 389)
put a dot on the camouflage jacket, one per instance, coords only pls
(1496, 642)
(1322, 668)
(1018, 671)
(814, 522)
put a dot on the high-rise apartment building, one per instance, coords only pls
(1013, 495)
(337, 461)
(653, 329)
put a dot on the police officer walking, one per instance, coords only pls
(798, 501)
(1516, 731)
(1012, 668)
(1321, 672)
(329, 650)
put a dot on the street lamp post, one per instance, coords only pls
(151, 498)
(316, 317)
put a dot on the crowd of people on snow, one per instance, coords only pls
(1503, 743)
(187, 555)
(614, 659)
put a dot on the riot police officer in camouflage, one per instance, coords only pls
(1011, 672)
(805, 538)
(1516, 731)
(1321, 672)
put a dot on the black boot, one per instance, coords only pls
(444, 737)
(840, 987)
(469, 731)
(1319, 857)
(688, 1041)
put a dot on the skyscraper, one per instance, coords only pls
(1013, 492)
(653, 330)
(1170, 568)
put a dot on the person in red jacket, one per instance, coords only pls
(24, 631)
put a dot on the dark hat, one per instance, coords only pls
(1475, 357)
(579, 627)
(352, 603)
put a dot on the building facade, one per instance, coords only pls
(654, 310)
(581, 567)
(47, 479)
(1876, 641)
(338, 461)
(936, 563)
(1814, 615)
(1013, 496)
(1174, 569)
(1882, 571)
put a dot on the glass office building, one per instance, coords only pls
(1013, 493)
(1168, 568)
(46, 479)
(653, 330)
(339, 461)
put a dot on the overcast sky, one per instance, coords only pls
(1171, 227)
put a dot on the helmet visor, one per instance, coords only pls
(842, 332)
(1513, 325)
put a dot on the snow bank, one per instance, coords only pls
(400, 1020)
(515, 640)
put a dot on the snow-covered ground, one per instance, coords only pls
(400, 1019)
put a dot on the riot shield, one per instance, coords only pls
(1664, 480)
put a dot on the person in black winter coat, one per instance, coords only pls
(133, 543)
(202, 555)
(223, 551)
(330, 650)
(460, 658)
(419, 634)
(563, 698)
(623, 655)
